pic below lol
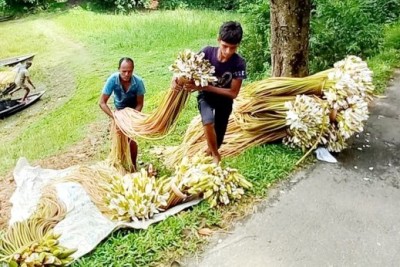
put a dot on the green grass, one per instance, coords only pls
(383, 64)
(85, 48)
(151, 246)
(265, 164)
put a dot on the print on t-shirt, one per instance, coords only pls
(224, 80)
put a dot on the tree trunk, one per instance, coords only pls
(290, 25)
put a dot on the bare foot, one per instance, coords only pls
(216, 159)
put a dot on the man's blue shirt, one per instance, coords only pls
(124, 99)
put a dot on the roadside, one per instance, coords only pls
(330, 214)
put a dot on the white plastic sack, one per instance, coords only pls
(324, 155)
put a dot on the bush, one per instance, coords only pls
(381, 11)
(340, 28)
(200, 4)
(23, 5)
(121, 6)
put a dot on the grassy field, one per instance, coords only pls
(76, 51)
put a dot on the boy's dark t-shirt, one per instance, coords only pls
(234, 68)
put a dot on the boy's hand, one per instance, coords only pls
(191, 87)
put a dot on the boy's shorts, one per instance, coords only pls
(218, 115)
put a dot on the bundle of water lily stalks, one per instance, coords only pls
(119, 195)
(188, 67)
(200, 177)
(322, 109)
(32, 242)
(135, 196)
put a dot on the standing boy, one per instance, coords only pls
(215, 100)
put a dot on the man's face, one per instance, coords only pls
(126, 70)
(226, 50)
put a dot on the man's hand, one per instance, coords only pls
(175, 85)
(119, 132)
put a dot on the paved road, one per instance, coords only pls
(344, 214)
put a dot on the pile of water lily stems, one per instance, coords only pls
(32, 242)
(323, 109)
(138, 196)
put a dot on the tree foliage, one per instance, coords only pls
(338, 28)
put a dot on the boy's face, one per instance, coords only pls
(226, 50)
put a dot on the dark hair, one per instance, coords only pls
(128, 59)
(231, 32)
